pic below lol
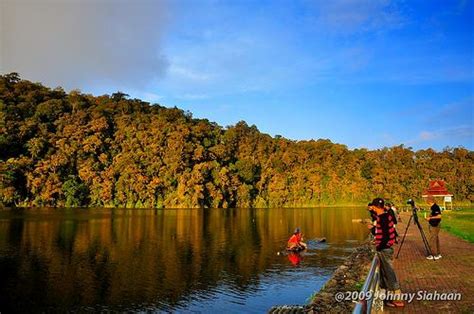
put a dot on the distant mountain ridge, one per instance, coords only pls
(73, 149)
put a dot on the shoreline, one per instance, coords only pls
(349, 276)
(302, 206)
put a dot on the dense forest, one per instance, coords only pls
(73, 149)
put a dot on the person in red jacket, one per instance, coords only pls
(295, 243)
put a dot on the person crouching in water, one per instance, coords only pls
(295, 242)
(384, 240)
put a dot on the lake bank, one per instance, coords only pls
(449, 275)
(349, 276)
(363, 205)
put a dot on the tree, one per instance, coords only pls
(75, 149)
(75, 192)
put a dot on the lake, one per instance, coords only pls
(204, 260)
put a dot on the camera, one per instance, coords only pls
(411, 202)
(414, 216)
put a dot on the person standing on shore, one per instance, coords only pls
(397, 214)
(390, 211)
(434, 220)
(373, 217)
(384, 240)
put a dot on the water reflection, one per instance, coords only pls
(295, 258)
(167, 259)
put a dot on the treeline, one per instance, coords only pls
(73, 149)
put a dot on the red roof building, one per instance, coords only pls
(437, 188)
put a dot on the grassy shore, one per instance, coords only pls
(460, 223)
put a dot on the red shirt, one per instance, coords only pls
(384, 232)
(296, 238)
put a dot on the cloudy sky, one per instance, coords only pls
(364, 73)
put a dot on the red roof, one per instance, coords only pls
(437, 188)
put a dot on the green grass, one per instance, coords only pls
(460, 223)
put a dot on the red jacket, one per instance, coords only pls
(384, 231)
(296, 238)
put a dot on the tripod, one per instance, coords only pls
(414, 216)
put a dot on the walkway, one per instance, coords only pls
(454, 272)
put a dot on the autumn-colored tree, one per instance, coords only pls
(73, 149)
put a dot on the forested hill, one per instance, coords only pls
(73, 149)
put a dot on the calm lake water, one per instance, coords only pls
(205, 260)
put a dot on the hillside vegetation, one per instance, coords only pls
(73, 149)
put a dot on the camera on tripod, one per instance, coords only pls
(414, 216)
(414, 208)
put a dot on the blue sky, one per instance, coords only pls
(361, 73)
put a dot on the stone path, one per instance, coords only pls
(453, 273)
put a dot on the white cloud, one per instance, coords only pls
(151, 97)
(452, 133)
(355, 16)
(427, 136)
(180, 72)
(193, 96)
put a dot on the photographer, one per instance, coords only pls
(373, 217)
(434, 220)
(390, 211)
(396, 213)
(384, 240)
